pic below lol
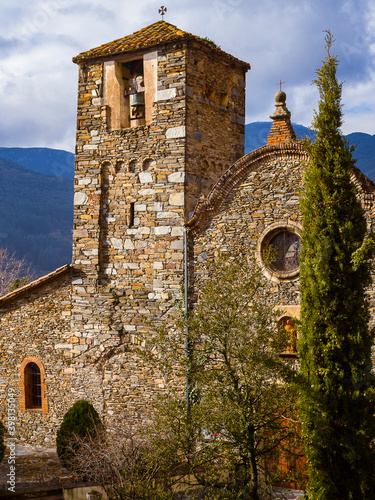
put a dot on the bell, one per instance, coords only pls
(138, 99)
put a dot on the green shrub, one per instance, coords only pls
(2, 445)
(80, 421)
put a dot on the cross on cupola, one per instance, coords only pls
(280, 83)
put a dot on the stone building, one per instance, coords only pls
(159, 161)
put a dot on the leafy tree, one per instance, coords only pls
(80, 420)
(338, 403)
(14, 272)
(240, 411)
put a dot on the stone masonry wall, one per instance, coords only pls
(128, 234)
(37, 325)
(215, 119)
(130, 212)
(268, 195)
(130, 197)
(114, 169)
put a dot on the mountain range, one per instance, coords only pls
(48, 161)
(36, 195)
(256, 136)
(36, 214)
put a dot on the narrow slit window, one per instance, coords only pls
(131, 215)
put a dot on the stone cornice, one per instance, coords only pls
(206, 210)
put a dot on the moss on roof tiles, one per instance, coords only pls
(157, 33)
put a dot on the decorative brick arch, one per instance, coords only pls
(365, 189)
(205, 211)
(24, 404)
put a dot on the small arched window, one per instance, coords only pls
(133, 166)
(148, 163)
(286, 323)
(32, 386)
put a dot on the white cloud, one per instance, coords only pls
(281, 40)
(359, 109)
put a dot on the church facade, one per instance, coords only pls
(161, 183)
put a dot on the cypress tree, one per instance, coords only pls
(337, 402)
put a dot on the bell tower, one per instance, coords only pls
(161, 116)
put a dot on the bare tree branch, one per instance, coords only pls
(14, 272)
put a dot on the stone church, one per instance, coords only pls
(161, 181)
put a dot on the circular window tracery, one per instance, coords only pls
(279, 249)
(285, 248)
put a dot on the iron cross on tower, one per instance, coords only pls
(162, 11)
(280, 83)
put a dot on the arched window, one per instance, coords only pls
(133, 166)
(32, 386)
(286, 323)
(148, 163)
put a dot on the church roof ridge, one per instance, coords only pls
(153, 35)
(34, 284)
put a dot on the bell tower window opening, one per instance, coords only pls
(134, 91)
(129, 91)
(33, 386)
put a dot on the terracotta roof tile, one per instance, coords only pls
(156, 34)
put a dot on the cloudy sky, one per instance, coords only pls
(281, 39)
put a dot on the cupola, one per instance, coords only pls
(281, 129)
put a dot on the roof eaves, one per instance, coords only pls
(96, 58)
(146, 41)
(15, 294)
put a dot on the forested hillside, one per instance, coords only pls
(36, 214)
(36, 195)
(44, 160)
